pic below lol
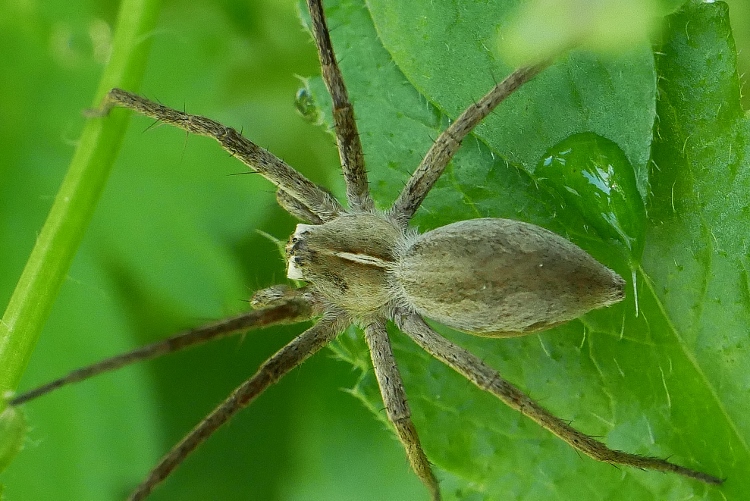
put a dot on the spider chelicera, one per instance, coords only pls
(492, 277)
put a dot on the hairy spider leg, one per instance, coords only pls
(445, 146)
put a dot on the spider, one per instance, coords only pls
(491, 277)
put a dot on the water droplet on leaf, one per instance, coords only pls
(592, 175)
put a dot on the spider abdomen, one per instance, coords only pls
(499, 277)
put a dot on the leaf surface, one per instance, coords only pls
(669, 382)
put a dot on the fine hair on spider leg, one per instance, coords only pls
(490, 277)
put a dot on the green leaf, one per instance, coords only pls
(668, 382)
(172, 244)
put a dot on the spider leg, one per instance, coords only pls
(296, 208)
(396, 406)
(290, 310)
(347, 137)
(283, 361)
(486, 378)
(447, 143)
(320, 202)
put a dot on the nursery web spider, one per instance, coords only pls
(491, 277)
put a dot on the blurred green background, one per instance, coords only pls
(172, 245)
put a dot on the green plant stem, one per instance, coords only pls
(77, 198)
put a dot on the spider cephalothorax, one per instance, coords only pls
(491, 277)
(347, 261)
